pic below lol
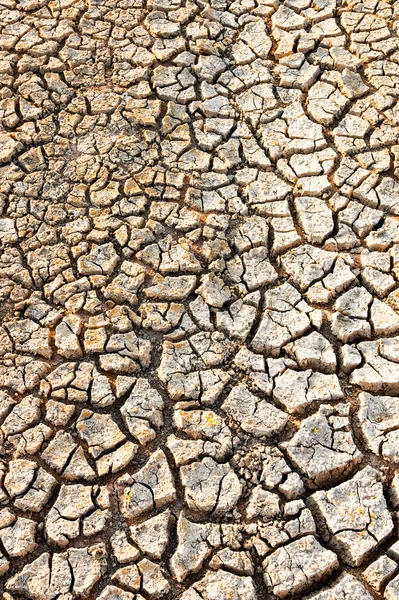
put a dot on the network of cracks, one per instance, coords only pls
(199, 299)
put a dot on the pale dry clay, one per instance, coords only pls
(199, 261)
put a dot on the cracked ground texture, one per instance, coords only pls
(199, 299)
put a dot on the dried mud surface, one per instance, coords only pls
(199, 302)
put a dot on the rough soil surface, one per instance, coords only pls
(199, 299)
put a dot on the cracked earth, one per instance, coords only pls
(199, 299)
